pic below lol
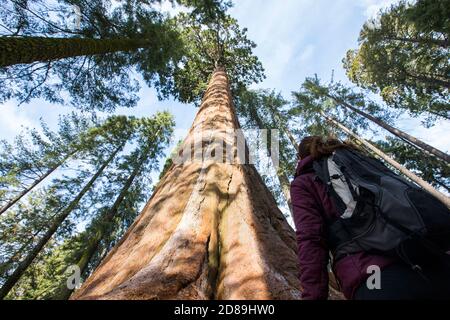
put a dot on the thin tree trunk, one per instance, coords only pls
(105, 224)
(441, 184)
(34, 184)
(18, 253)
(445, 116)
(397, 132)
(438, 42)
(425, 185)
(285, 188)
(285, 184)
(282, 178)
(285, 129)
(18, 50)
(211, 230)
(430, 80)
(22, 266)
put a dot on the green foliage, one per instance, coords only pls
(431, 16)
(93, 81)
(208, 45)
(267, 109)
(431, 169)
(32, 154)
(405, 59)
(107, 209)
(313, 99)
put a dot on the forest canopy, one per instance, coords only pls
(76, 191)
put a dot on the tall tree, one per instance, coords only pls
(31, 255)
(145, 154)
(152, 135)
(314, 108)
(93, 59)
(261, 110)
(356, 102)
(209, 43)
(34, 156)
(403, 60)
(432, 170)
(224, 255)
(425, 185)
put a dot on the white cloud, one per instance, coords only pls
(374, 6)
(307, 53)
(437, 136)
(13, 120)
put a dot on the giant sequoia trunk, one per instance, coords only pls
(16, 50)
(211, 230)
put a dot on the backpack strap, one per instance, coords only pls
(323, 174)
(350, 186)
(337, 231)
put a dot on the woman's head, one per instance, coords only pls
(318, 147)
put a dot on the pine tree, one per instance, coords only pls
(426, 186)
(150, 135)
(315, 106)
(405, 59)
(208, 43)
(221, 214)
(93, 60)
(346, 98)
(195, 206)
(432, 170)
(34, 156)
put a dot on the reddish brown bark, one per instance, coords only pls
(211, 230)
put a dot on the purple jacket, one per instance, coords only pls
(311, 203)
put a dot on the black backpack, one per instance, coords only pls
(381, 212)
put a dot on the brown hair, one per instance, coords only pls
(318, 146)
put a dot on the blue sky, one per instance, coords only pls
(295, 38)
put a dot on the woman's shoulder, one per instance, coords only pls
(304, 179)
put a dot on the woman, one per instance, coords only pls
(312, 206)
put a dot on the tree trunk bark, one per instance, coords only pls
(425, 185)
(399, 133)
(211, 230)
(34, 184)
(21, 268)
(17, 50)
